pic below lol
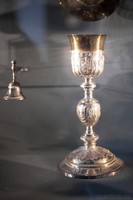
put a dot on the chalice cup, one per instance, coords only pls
(89, 161)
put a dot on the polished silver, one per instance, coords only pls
(90, 160)
(14, 91)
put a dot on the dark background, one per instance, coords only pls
(36, 134)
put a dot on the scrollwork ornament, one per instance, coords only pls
(87, 64)
(88, 111)
(89, 160)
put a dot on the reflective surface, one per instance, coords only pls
(89, 161)
(14, 91)
(90, 10)
(87, 42)
(39, 132)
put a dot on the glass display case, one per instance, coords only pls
(38, 132)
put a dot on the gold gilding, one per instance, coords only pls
(90, 160)
(87, 42)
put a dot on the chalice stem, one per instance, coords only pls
(90, 160)
(88, 87)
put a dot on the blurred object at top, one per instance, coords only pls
(90, 10)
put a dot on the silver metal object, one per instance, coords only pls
(90, 160)
(14, 91)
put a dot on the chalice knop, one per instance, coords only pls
(90, 160)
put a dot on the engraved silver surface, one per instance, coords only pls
(86, 63)
(93, 162)
(88, 111)
(89, 161)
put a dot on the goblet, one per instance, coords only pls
(90, 10)
(90, 160)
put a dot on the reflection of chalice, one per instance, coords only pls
(90, 10)
(89, 161)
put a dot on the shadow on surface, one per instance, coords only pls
(91, 189)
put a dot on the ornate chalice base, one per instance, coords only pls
(90, 163)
